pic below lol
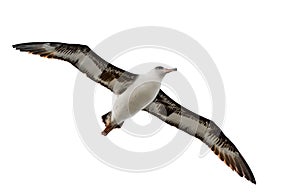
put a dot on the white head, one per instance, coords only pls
(161, 71)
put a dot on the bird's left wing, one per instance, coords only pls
(204, 129)
(85, 60)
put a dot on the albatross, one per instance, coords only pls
(142, 92)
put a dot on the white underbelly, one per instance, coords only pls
(134, 99)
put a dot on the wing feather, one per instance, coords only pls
(204, 129)
(84, 59)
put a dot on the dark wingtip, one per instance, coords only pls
(250, 177)
(21, 46)
(15, 46)
(253, 180)
(241, 168)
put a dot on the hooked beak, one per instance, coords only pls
(167, 70)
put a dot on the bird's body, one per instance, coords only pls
(136, 97)
(142, 92)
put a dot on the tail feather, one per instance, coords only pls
(109, 124)
(106, 118)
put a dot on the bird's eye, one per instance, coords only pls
(159, 67)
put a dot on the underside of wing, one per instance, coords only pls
(204, 129)
(83, 58)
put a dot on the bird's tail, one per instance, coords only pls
(106, 118)
(109, 124)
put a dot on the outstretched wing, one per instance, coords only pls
(163, 107)
(204, 129)
(83, 58)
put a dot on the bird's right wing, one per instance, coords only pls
(204, 129)
(87, 61)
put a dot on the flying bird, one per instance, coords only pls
(142, 92)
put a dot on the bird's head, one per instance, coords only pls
(162, 71)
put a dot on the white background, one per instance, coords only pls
(255, 45)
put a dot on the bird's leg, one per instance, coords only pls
(107, 129)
